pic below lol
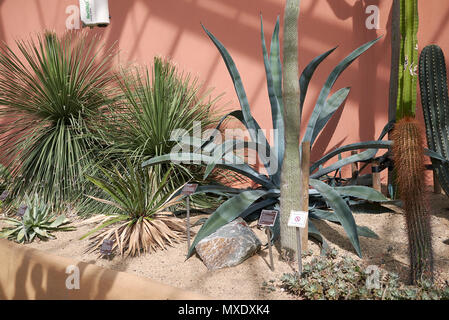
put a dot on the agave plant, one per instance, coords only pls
(37, 221)
(52, 89)
(244, 202)
(325, 193)
(143, 222)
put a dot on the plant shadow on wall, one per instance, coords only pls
(226, 19)
(343, 10)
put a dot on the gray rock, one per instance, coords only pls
(228, 246)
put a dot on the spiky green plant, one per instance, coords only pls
(5, 178)
(143, 222)
(408, 150)
(52, 88)
(435, 103)
(37, 222)
(248, 202)
(154, 103)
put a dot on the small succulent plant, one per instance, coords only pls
(34, 219)
(331, 278)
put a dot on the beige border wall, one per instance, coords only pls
(27, 273)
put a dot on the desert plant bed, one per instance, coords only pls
(253, 279)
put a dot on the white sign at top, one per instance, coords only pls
(298, 219)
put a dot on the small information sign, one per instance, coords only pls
(268, 218)
(298, 219)
(106, 247)
(189, 189)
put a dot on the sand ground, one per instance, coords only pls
(245, 281)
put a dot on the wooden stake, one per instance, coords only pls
(376, 178)
(305, 172)
(188, 223)
(436, 184)
(354, 166)
(269, 248)
(299, 257)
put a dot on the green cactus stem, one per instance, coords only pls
(435, 104)
(408, 60)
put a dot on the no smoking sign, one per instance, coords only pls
(298, 219)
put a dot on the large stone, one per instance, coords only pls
(228, 246)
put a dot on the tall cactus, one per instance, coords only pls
(408, 153)
(408, 60)
(290, 176)
(435, 104)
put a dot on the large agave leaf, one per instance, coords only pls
(363, 156)
(250, 122)
(307, 74)
(330, 216)
(377, 144)
(276, 111)
(328, 86)
(332, 105)
(341, 210)
(316, 234)
(276, 65)
(227, 212)
(227, 148)
(243, 169)
(361, 192)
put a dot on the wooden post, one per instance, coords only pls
(299, 253)
(436, 184)
(305, 172)
(269, 248)
(376, 177)
(188, 223)
(354, 166)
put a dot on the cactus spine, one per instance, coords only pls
(409, 164)
(435, 103)
(290, 176)
(408, 153)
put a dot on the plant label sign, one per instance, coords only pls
(268, 218)
(189, 189)
(106, 247)
(298, 219)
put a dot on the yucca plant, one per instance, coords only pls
(247, 202)
(37, 222)
(144, 222)
(5, 178)
(52, 89)
(153, 104)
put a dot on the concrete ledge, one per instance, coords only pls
(27, 273)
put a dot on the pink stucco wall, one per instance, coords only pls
(144, 28)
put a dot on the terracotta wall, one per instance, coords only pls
(144, 28)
